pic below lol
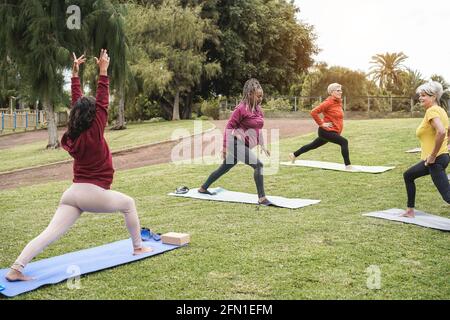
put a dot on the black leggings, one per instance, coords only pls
(238, 151)
(438, 175)
(325, 137)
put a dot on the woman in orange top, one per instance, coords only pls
(330, 127)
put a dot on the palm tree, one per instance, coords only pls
(386, 69)
(445, 99)
(441, 80)
(410, 81)
(43, 52)
(105, 29)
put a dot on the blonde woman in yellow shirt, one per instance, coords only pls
(433, 134)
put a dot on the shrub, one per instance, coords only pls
(211, 108)
(225, 114)
(143, 108)
(157, 119)
(278, 104)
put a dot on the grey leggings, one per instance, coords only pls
(238, 151)
(78, 198)
(438, 175)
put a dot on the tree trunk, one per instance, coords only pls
(166, 110)
(52, 128)
(120, 123)
(176, 107)
(187, 110)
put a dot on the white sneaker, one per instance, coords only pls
(352, 168)
(292, 157)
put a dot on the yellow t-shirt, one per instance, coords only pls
(427, 134)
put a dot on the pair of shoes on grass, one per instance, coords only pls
(147, 235)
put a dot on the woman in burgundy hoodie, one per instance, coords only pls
(242, 133)
(92, 170)
(330, 127)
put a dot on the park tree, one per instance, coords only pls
(34, 36)
(445, 99)
(169, 38)
(186, 59)
(11, 85)
(261, 39)
(441, 80)
(386, 69)
(149, 73)
(410, 80)
(355, 84)
(103, 27)
(37, 37)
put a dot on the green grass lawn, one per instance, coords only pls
(35, 154)
(239, 252)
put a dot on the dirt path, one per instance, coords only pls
(25, 137)
(156, 154)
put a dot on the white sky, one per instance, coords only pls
(350, 32)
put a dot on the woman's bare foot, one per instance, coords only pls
(205, 191)
(409, 213)
(351, 168)
(292, 157)
(142, 250)
(14, 275)
(265, 202)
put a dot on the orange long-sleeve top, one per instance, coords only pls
(332, 111)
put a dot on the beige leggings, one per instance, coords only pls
(78, 198)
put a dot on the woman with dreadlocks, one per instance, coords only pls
(93, 172)
(242, 133)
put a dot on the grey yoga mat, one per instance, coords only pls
(422, 219)
(416, 150)
(232, 196)
(336, 166)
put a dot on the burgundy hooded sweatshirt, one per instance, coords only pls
(90, 151)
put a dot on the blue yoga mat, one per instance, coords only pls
(60, 268)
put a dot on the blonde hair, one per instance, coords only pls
(432, 88)
(251, 86)
(333, 87)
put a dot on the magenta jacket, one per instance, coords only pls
(245, 125)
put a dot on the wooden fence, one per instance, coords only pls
(29, 120)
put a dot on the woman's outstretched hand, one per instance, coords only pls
(76, 64)
(103, 62)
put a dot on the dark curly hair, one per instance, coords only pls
(81, 117)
